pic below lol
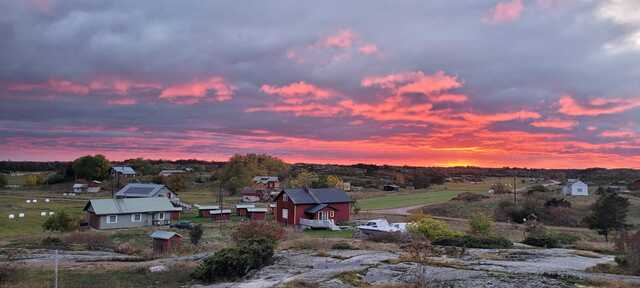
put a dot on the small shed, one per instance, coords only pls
(241, 209)
(273, 208)
(205, 210)
(165, 241)
(257, 214)
(80, 187)
(391, 187)
(94, 186)
(220, 215)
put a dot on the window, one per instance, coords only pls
(332, 214)
(136, 217)
(112, 219)
(285, 213)
(579, 190)
(285, 198)
(161, 216)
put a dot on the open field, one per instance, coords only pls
(432, 195)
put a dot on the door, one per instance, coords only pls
(323, 215)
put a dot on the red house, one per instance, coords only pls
(205, 210)
(315, 204)
(257, 214)
(220, 215)
(241, 209)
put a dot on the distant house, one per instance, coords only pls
(241, 209)
(166, 173)
(220, 214)
(145, 190)
(257, 214)
(165, 241)
(80, 188)
(391, 187)
(250, 195)
(575, 187)
(123, 171)
(266, 183)
(204, 210)
(130, 212)
(94, 186)
(315, 204)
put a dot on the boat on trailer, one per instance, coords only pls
(382, 226)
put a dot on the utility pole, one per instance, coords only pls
(221, 204)
(515, 189)
(56, 270)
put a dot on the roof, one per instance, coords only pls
(165, 235)
(265, 179)
(218, 211)
(140, 190)
(260, 210)
(317, 196)
(242, 206)
(124, 170)
(206, 207)
(171, 171)
(316, 208)
(78, 185)
(570, 182)
(130, 205)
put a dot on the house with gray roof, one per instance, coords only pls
(145, 190)
(125, 171)
(130, 212)
(330, 204)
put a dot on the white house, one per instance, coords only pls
(79, 187)
(575, 187)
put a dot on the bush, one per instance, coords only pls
(90, 240)
(468, 241)
(554, 202)
(60, 221)
(470, 197)
(126, 248)
(395, 237)
(481, 225)
(196, 234)
(55, 178)
(233, 263)
(542, 240)
(432, 229)
(52, 242)
(258, 230)
(3, 181)
(561, 216)
(7, 272)
(342, 246)
(629, 245)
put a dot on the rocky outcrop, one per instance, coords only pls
(523, 268)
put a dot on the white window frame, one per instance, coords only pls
(133, 217)
(332, 214)
(285, 213)
(284, 197)
(161, 216)
(109, 219)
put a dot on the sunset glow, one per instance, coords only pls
(544, 83)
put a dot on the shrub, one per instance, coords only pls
(629, 245)
(342, 246)
(52, 242)
(468, 241)
(566, 239)
(90, 240)
(55, 178)
(60, 221)
(7, 272)
(3, 180)
(481, 225)
(432, 229)
(395, 237)
(561, 216)
(233, 263)
(537, 188)
(470, 197)
(542, 240)
(258, 230)
(554, 202)
(196, 234)
(126, 248)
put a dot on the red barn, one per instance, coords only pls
(205, 210)
(257, 214)
(220, 215)
(165, 241)
(314, 204)
(241, 209)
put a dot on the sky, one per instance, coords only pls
(526, 83)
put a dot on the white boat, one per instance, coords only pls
(381, 226)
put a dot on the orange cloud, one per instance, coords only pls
(597, 106)
(506, 11)
(296, 90)
(555, 123)
(343, 39)
(418, 82)
(618, 134)
(199, 89)
(122, 101)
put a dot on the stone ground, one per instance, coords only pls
(522, 268)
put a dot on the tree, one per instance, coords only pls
(60, 221)
(143, 167)
(91, 167)
(32, 180)
(303, 179)
(481, 225)
(334, 181)
(176, 182)
(239, 171)
(609, 213)
(196, 234)
(3, 181)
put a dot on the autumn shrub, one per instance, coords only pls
(481, 225)
(127, 248)
(342, 246)
(50, 242)
(432, 229)
(90, 240)
(628, 244)
(235, 262)
(258, 230)
(61, 222)
(561, 216)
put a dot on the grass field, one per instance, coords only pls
(432, 195)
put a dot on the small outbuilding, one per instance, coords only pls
(241, 209)
(257, 214)
(391, 187)
(205, 210)
(80, 187)
(575, 187)
(220, 215)
(165, 241)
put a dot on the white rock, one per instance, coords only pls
(21, 215)
(11, 216)
(35, 201)
(46, 200)
(28, 201)
(159, 268)
(50, 213)
(43, 214)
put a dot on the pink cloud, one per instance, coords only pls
(368, 49)
(597, 106)
(418, 82)
(296, 90)
(122, 101)
(58, 86)
(193, 92)
(555, 123)
(618, 134)
(343, 39)
(506, 11)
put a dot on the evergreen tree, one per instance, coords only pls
(609, 214)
